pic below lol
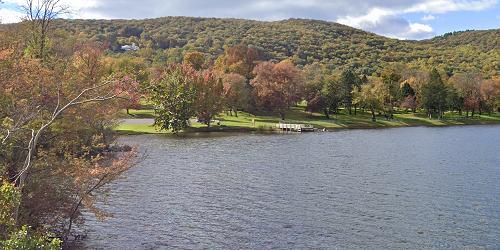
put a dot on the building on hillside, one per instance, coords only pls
(132, 47)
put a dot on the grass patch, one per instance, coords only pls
(267, 121)
(137, 129)
(138, 114)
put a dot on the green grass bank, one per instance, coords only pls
(138, 122)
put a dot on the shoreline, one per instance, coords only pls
(270, 130)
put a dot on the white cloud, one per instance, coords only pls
(444, 6)
(417, 29)
(371, 18)
(78, 8)
(10, 16)
(388, 23)
(428, 18)
(74, 4)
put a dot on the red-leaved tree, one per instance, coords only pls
(277, 86)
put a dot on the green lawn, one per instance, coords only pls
(137, 113)
(267, 121)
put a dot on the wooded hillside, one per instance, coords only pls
(304, 41)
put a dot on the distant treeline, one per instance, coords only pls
(304, 42)
(241, 79)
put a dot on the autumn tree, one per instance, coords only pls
(490, 94)
(454, 100)
(410, 102)
(409, 99)
(371, 96)
(48, 107)
(136, 69)
(239, 59)
(391, 78)
(416, 79)
(12, 238)
(197, 60)
(236, 93)
(209, 96)
(173, 92)
(332, 93)
(468, 86)
(315, 77)
(277, 86)
(39, 16)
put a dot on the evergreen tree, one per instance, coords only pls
(348, 80)
(434, 95)
(407, 90)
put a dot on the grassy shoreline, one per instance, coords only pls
(266, 122)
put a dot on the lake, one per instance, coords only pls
(382, 188)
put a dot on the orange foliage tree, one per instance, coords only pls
(277, 86)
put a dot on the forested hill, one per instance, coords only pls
(304, 41)
(484, 40)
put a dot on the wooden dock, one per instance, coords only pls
(295, 127)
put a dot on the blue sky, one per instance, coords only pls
(403, 19)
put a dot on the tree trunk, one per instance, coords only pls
(128, 111)
(355, 109)
(282, 115)
(373, 115)
(235, 112)
(327, 114)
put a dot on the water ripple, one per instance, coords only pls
(430, 188)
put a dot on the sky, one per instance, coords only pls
(402, 19)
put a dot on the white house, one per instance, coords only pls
(132, 47)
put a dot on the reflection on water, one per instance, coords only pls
(391, 188)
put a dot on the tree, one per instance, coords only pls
(278, 86)
(12, 238)
(209, 96)
(39, 16)
(407, 90)
(239, 59)
(468, 86)
(372, 96)
(391, 77)
(490, 94)
(434, 95)
(409, 102)
(196, 60)
(236, 94)
(135, 70)
(47, 107)
(332, 93)
(315, 77)
(417, 79)
(348, 80)
(454, 100)
(173, 92)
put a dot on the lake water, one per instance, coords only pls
(373, 189)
